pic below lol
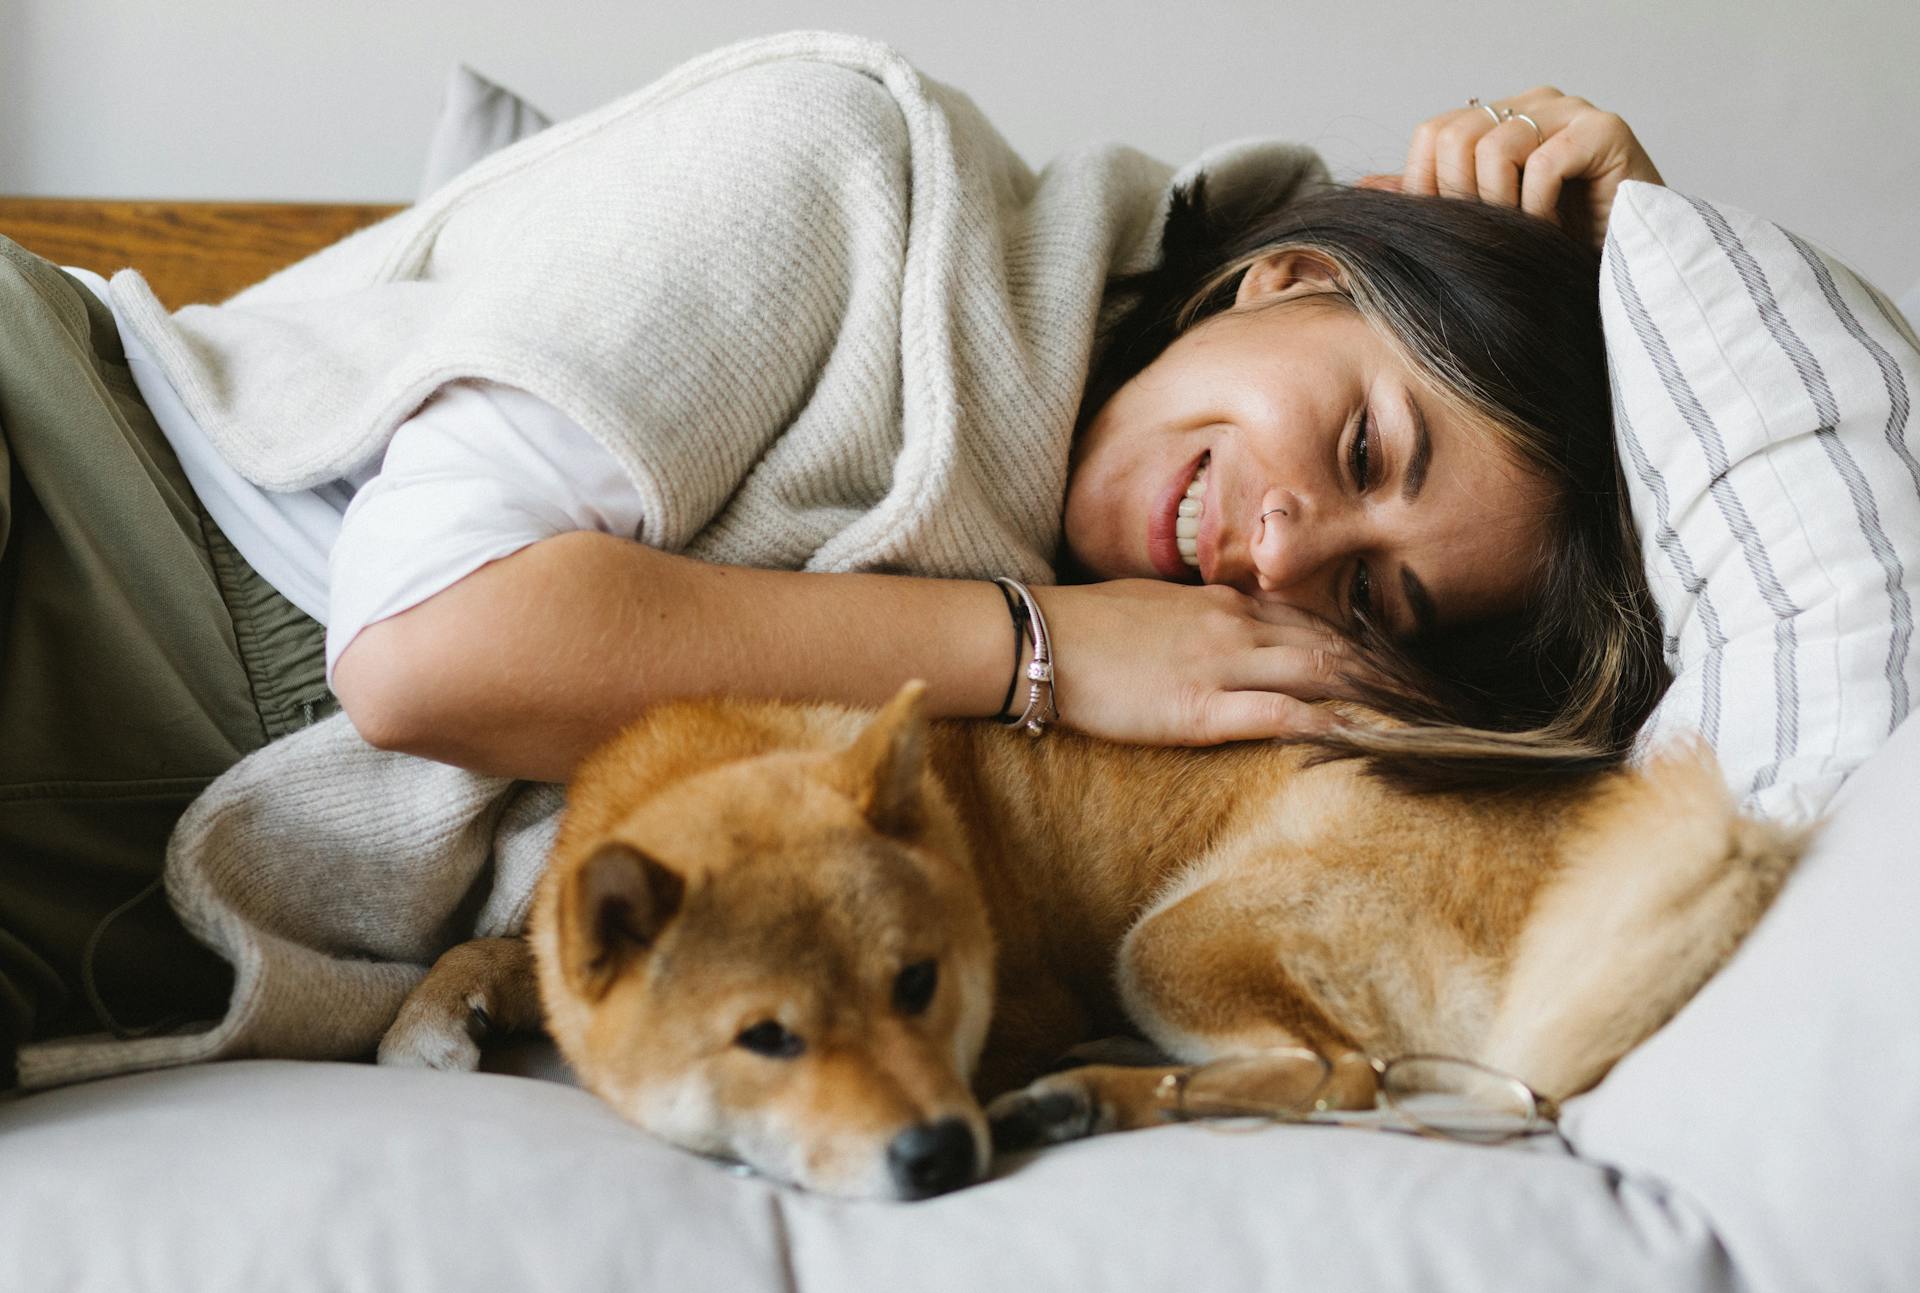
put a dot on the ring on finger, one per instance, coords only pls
(1491, 111)
(1539, 136)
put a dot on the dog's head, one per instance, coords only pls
(781, 957)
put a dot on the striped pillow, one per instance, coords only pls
(1763, 398)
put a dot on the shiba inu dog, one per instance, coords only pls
(815, 940)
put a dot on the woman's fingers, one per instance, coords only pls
(1268, 608)
(1499, 157)
(1416, 174)
(1553, 155)
(1309, 669)
(1471, 153)
(1455, 173)
(1301, 653)
(1263, 715)
(1546, 174)
(1440, 154)
(1571, 151)
(1599, 151)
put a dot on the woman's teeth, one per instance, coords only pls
(1186, 527)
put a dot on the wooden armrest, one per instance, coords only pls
(189, 251)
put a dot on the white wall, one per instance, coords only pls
(1805, 112)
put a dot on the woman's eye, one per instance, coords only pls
(1363, 451)
(1362, 596)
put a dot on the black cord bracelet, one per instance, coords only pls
(1017, 610)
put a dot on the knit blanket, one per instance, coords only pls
(815, 305)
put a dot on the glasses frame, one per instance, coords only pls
(1543, 1112)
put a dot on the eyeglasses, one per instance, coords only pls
(1432, 1095)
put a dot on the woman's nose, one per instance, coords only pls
(1290, 542)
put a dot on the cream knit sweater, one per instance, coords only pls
(817, 308)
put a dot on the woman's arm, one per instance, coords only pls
(524, 666)
(531, 661)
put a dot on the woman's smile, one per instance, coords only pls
(1181, 508)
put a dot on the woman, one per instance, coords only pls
(1352, 465)
(1146, 662)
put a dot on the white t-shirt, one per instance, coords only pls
(479, 472)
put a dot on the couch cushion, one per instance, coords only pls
(290, 1176)
(1785, 1099)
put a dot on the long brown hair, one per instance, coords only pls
(1499, 314)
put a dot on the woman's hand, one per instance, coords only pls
(1567, 172)
(1156, 663)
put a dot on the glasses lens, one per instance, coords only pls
(1459, 1098)
(1275, 1084)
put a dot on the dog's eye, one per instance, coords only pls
(913, 989)
(770, 1039)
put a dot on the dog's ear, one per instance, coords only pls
(884, 764)
(612, 909)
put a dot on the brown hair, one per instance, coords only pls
(1499, 314)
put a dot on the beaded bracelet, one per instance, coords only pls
(1041, 709)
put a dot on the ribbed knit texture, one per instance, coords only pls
(814, 304)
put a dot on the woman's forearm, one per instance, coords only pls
(530, 662)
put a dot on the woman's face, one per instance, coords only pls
(1315, 468)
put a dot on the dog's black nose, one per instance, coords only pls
(932, 1158)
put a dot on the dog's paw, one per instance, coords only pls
(432, 1038)
(1046, 1112)
(1081, 1102)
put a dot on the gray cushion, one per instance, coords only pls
(289, 1176)
(1784, 1100)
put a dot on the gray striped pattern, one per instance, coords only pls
(1707, 435)
(1767, 410)
(1900, 404)
(1865, 510)
(1899, 414)
(1669, 543)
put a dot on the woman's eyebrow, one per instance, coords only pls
(1419, 601)
(1416, 474)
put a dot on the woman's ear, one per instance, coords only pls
(1282, 274)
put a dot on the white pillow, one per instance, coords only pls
(1764, 401)
(477, 117)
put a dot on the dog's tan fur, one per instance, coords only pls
(721, 864)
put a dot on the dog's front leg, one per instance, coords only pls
(1122, 1097)
(478, 989)
(1212, 972)
(1081, 1102)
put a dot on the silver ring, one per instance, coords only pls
(1491, 111)
(1539, 136)
(1270, 511)
(1473, 102)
